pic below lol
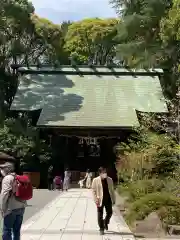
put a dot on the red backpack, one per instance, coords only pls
(23, 187)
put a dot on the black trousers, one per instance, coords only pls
(50, 184)
(108, 207)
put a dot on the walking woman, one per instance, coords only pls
(67, 176)
(88, 178)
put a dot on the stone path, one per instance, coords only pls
(41, 197)
(73, 215)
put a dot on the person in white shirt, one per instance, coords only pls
(88, 178)
(67, 176)
(81, 182)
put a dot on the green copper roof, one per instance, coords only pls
(89, 100)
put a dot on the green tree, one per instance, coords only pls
(170, 25)
(14, 16)
(19, 139)
(141, 41)
(15, 138)
(138, 33)
(91, 40)
(50, 36)
(170, 36)
(15, 23)
(24, 38)
(63, 56)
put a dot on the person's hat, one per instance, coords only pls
(6, 157)
(7, 165)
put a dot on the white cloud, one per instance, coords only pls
(63, 10)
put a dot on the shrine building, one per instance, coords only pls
(86, 110)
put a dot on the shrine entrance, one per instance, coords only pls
(80, 154)
(81, 151)
(88, 153)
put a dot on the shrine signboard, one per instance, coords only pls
(92, 145)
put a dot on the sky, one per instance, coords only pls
(63, 10)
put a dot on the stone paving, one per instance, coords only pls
(41, 197)
(73, 214)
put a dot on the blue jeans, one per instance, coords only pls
(12, 224)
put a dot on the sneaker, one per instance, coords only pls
(101, 232)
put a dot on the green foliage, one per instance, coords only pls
(170, 27)
(51, 37)
(14, 21)
(170, 215)
(15, 141)
(172, 182)
(140, 188)
(24, 38)
(150, 170)
(138, 33)
(170, 36)
(91, 39)
(19, 139)
(147, 155)
(164, 154)
(151, 203)
(148, 37)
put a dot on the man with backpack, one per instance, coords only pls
(15, 191)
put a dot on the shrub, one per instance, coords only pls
(153, 155)
(150, 203)
(170, 215)
(172, 186)
(140, 188)
(123, 189)
(134, 166)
